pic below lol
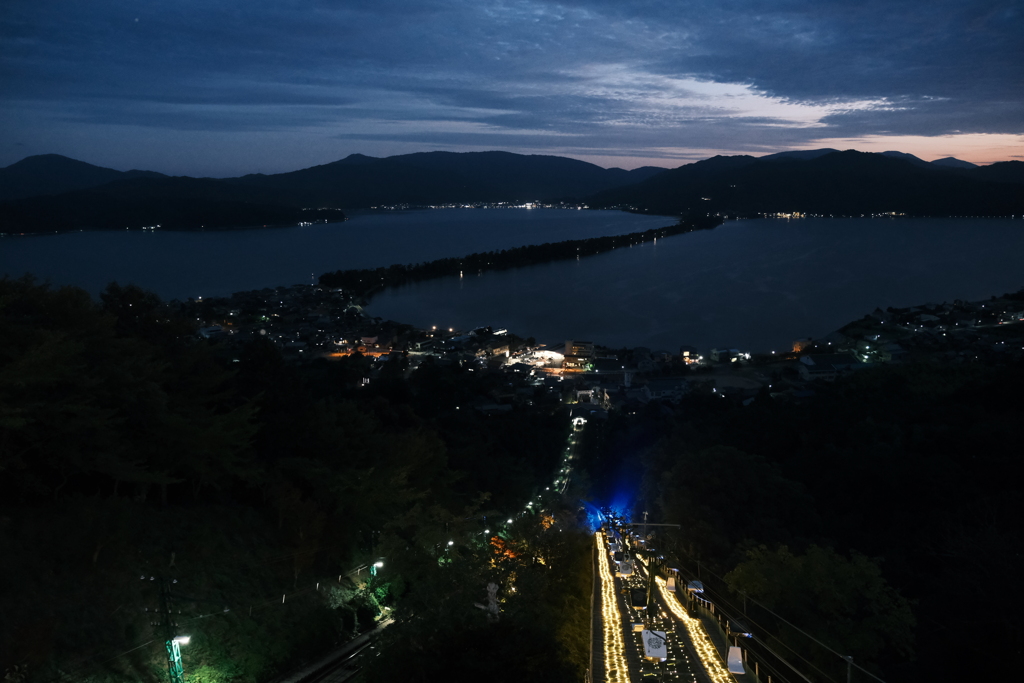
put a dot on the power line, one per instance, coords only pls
(266, 561)
(263, 603)
(128, 651)
(775, 671)
(782, 659)
(79, 662)
(781, 642)
(845, 658)
(776, 654)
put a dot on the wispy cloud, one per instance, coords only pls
(650, 80)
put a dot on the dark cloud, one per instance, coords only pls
(752, 75)
(932, 117)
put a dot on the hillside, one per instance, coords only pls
(49, 174)
(839, 183)
(171, 203)
(97, 198)
(359, 181)
(73, 195)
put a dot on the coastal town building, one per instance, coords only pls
(309, 323)
(578, 355)
(827, 366)
(690, 355)
(728, 355)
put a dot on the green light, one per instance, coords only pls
(174, 660)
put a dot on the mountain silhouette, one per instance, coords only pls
(953, 162)
(1001, 172)
(49, 174)
(107, 199)
(170, 203)
(799, 154)
(838, 183)
(70, 194)
(423, 178)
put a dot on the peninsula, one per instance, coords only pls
(365, 282)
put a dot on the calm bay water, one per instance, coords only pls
(191, 264)
(757, 285)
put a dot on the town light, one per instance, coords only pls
(182, 640)
(378, 564)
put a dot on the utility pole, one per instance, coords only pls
(172, 642)
(849, 667)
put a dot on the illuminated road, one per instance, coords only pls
(697, 637)
(610, 663)
(618, 650)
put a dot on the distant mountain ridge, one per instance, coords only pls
(836, 183)
(358, 181)
(49, 174)
(71, 194)
(799, 154)
(945, 162)
(104, 198)
(806, 154)
(953, 162)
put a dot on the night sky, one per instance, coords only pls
(204, 87)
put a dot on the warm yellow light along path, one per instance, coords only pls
(615, 667)
(698, 636)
